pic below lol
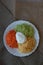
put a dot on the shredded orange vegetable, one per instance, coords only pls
(11, 39)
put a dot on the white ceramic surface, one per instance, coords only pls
(14, 51)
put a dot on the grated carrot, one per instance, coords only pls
(11, 39)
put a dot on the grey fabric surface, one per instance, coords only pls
(37, 18)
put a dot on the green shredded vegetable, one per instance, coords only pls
(26, 29)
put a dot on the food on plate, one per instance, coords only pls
(26, 29)
(20, 37)
(11, 39)
(27, 46)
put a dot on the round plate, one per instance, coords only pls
(15, 51)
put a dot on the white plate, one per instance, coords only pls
(14, 51)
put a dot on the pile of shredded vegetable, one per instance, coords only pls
(11, 39)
